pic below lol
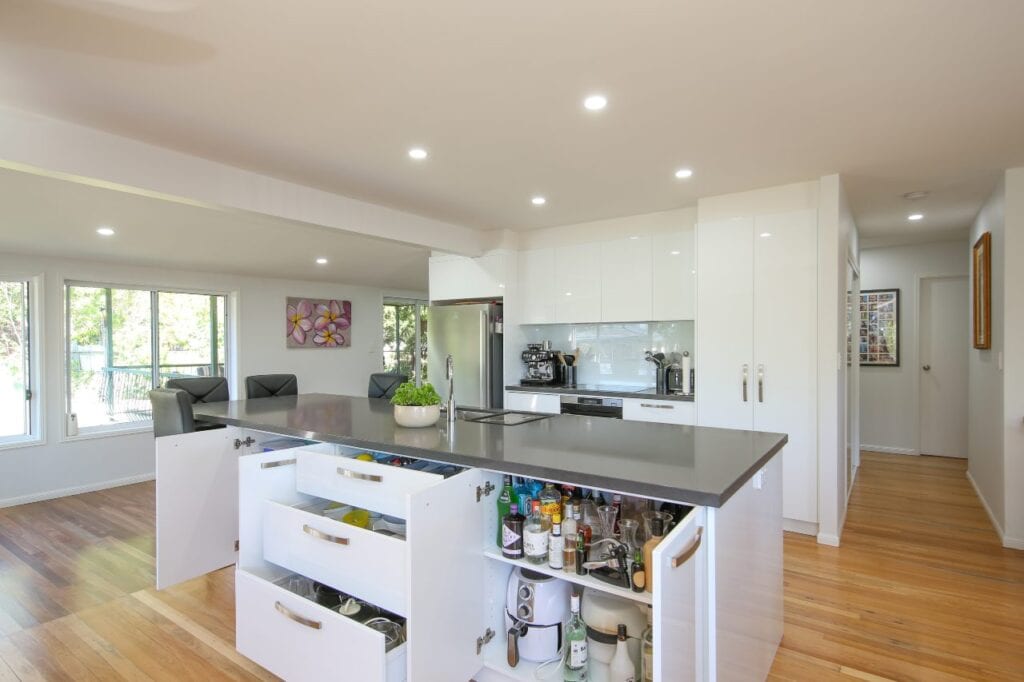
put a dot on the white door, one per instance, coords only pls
(196, 504)
(680, 571)
(943, 370)
(536, 284)
(784, 371)
(725, 336)
(626, 280)
(675, 277)
(577, 291)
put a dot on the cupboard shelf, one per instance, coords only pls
(582, 580)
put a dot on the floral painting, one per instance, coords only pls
(314, 323)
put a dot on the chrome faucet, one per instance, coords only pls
(450, 375)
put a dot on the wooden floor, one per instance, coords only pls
(920, 590)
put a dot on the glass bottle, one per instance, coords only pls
(505, 500)
(569, 552)
(568, 519)
(535, 537)
(556, 544)
(512, 533)
(617, 503)
(574, 668)
(639, 576)
(621, 668)
(550, 501)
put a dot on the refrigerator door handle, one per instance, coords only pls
(485, 354)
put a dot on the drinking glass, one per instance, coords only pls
(649, 515)
(607, 514)
(627, 531)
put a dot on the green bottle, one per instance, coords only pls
(505, 499)
(575, 667)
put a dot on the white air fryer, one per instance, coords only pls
(536, 610)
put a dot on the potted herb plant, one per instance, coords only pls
(416, 406)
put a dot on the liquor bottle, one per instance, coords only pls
(505, 500)
(617, 503)
(550, 501)
(512, 527)
(535, 537)
(556, 544)
(574, 668)
(568, 520)
(581, 555)
(621, 668)
(581, 528)
(647, 649)
(657, 533)
(639, 571)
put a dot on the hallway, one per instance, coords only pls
(921, 589)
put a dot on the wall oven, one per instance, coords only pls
(592, 406)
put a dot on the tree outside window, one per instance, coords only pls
(405, 339)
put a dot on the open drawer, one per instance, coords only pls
(299, 640)
(361, 562)
(369, 485)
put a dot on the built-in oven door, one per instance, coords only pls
(592, 406)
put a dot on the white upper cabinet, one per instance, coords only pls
(674, 280)
(460, 277)
(577, 290)
(537, 286)
(626, 280)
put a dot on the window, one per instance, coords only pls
(121, 342)
(16, 397)
(405, 338)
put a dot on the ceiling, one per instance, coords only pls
(53, 217)
(895, 96)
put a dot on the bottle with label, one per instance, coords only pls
(581, 555)
(575, 666)
(647, 649)
(622, 668)
(568, 521)
(505, 499)
(535, 537)
(550, 501)
(657, 533)
(512, 527)
(556, 544)
(639, 571)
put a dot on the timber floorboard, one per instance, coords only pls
(920, 590)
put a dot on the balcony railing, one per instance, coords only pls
(122, 392)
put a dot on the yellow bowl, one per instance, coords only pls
(357, 517)
(364, 457)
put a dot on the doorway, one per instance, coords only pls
(942, 370)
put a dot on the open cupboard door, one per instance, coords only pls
(196, 504)
(446, 587)
(680, 566)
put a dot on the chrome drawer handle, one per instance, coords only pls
(348, 473)
(685, 555)
(746, 370)
(320, 535)
(284, 610)
(658, 407)
(278, 463)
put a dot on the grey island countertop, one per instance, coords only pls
(688, 464)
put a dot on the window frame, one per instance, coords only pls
(33, 368)
(419, 306)
(101, 430)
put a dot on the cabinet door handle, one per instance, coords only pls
(278, 463)
(284, 610)
(746, 372)
(684, 556)
(372, 478)
(760, 383)
(658, 407)
(319, 534)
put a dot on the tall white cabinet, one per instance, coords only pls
(756, 338)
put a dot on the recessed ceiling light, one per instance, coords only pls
(634, 237)
(595, 102)
(684, 173)
(418, 153)
(568, 293)
(105, 231)
(917, 194)
(538, 201)
(673, 253)
(321, 261)
(766, 234)
(915, 216)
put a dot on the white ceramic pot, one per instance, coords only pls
(416, 416)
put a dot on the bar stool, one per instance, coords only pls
(270, 385)
(384, 384)
(172, 412)
(202, 390)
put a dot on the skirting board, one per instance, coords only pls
(76, 490)
(802, 527)
(885, 449)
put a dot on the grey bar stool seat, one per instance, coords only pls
(270, 385)
(203, 390)
(172, 412)
(384, 384)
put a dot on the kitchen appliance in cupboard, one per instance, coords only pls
(471, 333)
(536, 609)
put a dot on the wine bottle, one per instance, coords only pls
(505, 500)
(512, 533)
(622, 668)
(574, 668)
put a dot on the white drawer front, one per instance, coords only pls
(367, 565)
(362, 484)
(299, 640)
(664, 411)
(545, 403)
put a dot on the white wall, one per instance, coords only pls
(889, 395)
(60, 466)
(1013, 347)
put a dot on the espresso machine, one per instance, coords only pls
(542, 366)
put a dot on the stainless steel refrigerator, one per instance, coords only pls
(471, 333)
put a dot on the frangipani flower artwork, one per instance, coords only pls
(315, 323)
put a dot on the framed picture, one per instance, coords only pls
(981, 266)
(880, 328)
(318, 323)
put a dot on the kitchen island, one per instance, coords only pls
(717, 577)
